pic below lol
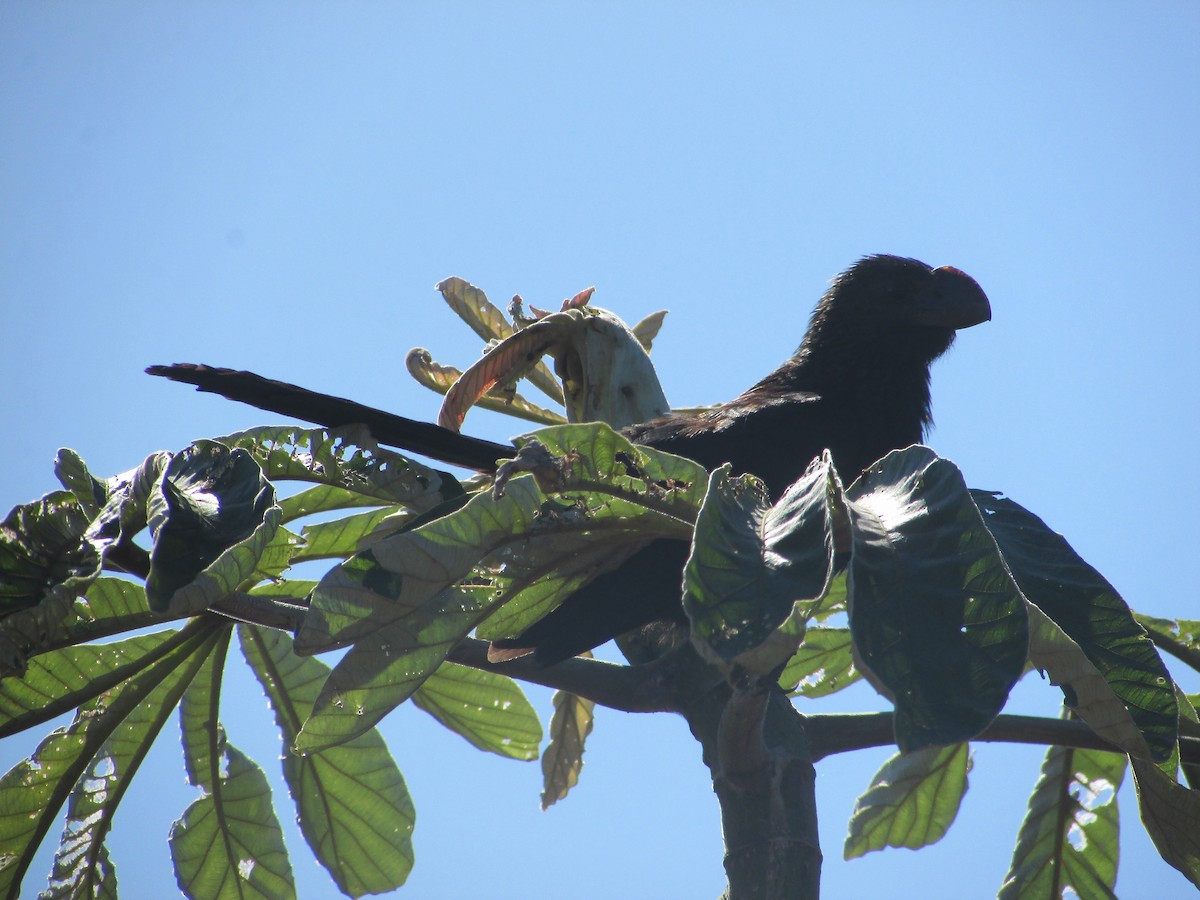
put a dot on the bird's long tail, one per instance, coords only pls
(286, 399)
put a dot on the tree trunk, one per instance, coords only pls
(756, 748)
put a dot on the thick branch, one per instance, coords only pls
(647, 688)
(842, 732)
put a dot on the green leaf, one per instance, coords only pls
(1069, 839)
(228, 843)
(56, 683)
(1170, 812)
(1080, 602)
(542, 550)
(406, 601)
(757, 571)
(109, 606)
(489, 710)
(352, 805)
(43, 554)
(120, 724)
(209, 499)
(823, 665)
(936, 618)
(343, 537)
(72, 473)
(348, 467)
(912, 800)
(562, 762)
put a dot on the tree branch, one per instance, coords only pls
(843, 732)
(646, 688)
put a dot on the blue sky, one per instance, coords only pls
(279, 188)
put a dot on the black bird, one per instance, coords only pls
(858, 386)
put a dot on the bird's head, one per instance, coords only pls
(899, 303)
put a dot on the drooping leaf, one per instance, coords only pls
(823, 665)
(126, 719)
(42, 552)
(228, 843)
(1170, 812)
(757, 571)
(489, 710)
(562, 762)
(209, 499)
(912, 800)
(1090, 612)
(1069, 838)
(352, 804)
(934, 613)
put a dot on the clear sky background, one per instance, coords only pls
(279, 188)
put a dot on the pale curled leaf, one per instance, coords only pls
(912, 800)
(607, 375)
(439, 378)
(474, 308)
(646, 330)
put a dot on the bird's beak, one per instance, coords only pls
(953, 300)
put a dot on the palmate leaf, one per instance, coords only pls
(228, 843)
(912, 800)
(562, 762)
(935, 615)
(209, 499)
(56, 683)
(409, 599)
(757, 571)
(1090, 613)
(125, 722)
(1069, 838)
(351, 801)
(489, 710)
